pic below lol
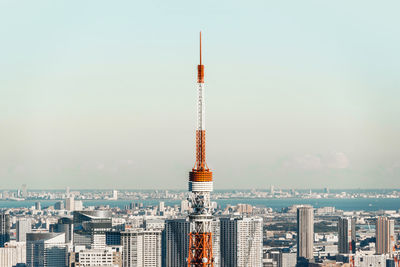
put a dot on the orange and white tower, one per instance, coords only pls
(200, 186)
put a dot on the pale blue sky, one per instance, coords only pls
(102, 94)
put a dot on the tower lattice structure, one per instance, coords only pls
(200, 186)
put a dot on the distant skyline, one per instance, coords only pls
(100, 94)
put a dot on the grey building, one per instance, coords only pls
(23, 226)
(90, 228)
(175, 243)
(46, 250)
(287, 260)
(4, 228)
(305, 232)
(347, 235)
(64, 225)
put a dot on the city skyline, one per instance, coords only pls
(296, 96)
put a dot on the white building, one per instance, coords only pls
(241, 242)
(78, 205)
(70, 204)
(370, 260)
(23, 226)
(115, 195)
(109, 256)
(13, 253)
(141, 248)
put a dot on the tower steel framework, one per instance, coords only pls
(200, 186)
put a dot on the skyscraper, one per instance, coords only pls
(12, 254)
(24, 191)
(70, 204)
(115, 195)
(23, 226)
(384, 234)
(90, 227)
(4, 228)
(305, 232)
(241, 242)
(46, 250)
(141, 248)
(347, 235)
(175, 243)
(64, 225)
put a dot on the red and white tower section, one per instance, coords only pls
(200, 186)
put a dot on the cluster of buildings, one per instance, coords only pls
(69, 234)
(345, 244)
(98, 236)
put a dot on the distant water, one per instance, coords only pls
(367, 204)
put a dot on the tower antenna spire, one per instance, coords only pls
(200, 48)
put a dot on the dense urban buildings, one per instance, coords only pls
(156, 234)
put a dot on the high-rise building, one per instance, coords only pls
(59, 205)
(184, 206)
(12, 254)
(175, 243)
(70, 203)
(141, 248)
(4, 228)
(90, 227)
(384, 234)
(46, 250)
(241, 242)
(24, 191)
(347, 235)
(161, 206)
(23, 226)
(64, 225)
(305, 233)
(38, 206)
(115, 194)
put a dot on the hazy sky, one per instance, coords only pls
(102, 94)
